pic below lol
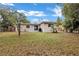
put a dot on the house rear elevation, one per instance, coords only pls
(42, 27)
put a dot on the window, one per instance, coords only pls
(49, 25)
(27, 26)
(35, 27)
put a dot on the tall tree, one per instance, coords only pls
(71, 14)
(9, 15)
(59, 21)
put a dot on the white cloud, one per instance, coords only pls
(57, 11)
(32, 13)
(35, 20)
(35, 4)
(46, 20)
(9, 4)
(21, 11)
(39, 20)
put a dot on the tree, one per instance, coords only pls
(5, 24)
(9, 16)
(23, 18)
(67, 24)
(71, 14)
(59, 21)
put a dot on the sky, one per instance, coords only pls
(36, 12)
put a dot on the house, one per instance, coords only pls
(46, 26)
(41, 27)
(35, 27)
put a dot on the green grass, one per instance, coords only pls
(39, 44)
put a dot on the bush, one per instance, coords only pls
(55, 31)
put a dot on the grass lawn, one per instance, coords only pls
(39, 44)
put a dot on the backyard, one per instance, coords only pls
(37, 43)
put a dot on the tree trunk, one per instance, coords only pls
(66, 30)
(19, 29)
(71, 31)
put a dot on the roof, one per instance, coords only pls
(47, 22)
(25, 23)
(34, 23)
(44, 22)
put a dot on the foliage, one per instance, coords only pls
(71, 14)
(5, 24)
(59, 21)
(10, 16)
(23, 18)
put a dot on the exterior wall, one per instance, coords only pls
(31, 29)
(23, 28)
(16, 28)
(45, 28)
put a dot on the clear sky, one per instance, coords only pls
(38, 12)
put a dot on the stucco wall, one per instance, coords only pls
(45, 28)
(23, 28)
(31, 29)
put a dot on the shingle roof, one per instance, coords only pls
(37, 23)
(47, 22)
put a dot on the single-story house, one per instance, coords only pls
(35, 27)
(42, 27)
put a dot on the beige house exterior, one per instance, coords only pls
(46, 26)
(42, 27)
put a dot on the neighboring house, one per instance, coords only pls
(42, 27)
